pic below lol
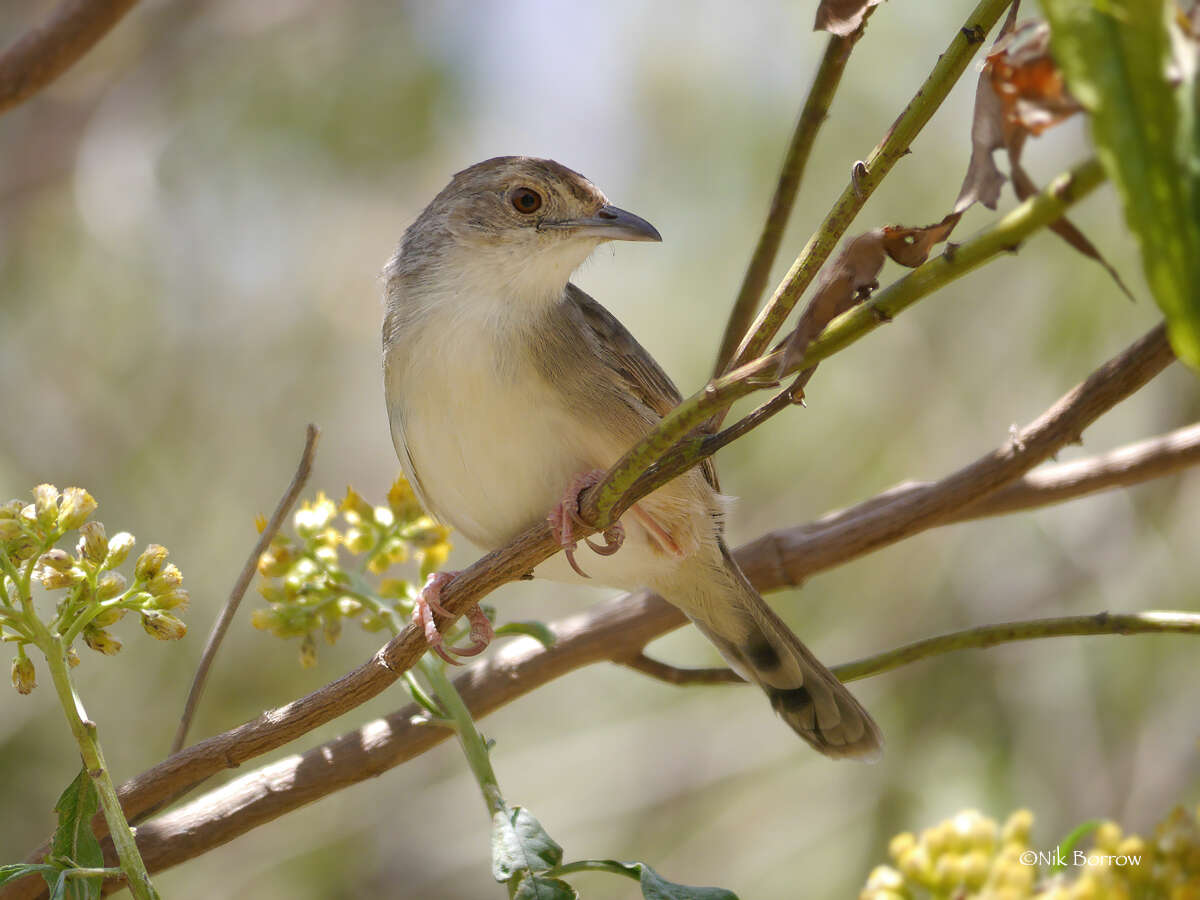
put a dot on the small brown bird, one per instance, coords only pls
(508, 388)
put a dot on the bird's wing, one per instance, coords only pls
(620, 351)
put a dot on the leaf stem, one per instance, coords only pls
(85, 732)
(473, 745)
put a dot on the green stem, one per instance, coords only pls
(593, 865)
(473, 745)
(1007, 632)
(814, 113)
(631, 477)
(93, 759)
(895, 144)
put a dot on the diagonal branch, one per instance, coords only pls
(868, 175)
(273, 790)
(615, 630)
(812, 116)
(45, 52)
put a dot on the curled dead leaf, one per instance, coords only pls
(842, 17)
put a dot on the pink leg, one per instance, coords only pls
(428, 602)
(565, 516)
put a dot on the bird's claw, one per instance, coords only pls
(428, 603)
(565, 516)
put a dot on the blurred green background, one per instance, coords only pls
(192, 223)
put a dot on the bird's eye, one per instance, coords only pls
(526, 200)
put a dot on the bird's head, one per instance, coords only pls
(516, 222)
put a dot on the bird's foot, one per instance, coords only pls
(429, 601)
(565, 517)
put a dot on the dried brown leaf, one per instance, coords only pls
(851, 277)
(843, 17)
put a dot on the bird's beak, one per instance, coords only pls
(610, 224)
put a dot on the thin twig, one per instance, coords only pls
(286, 502)
(45, 52)
(1007, 632)
(671, 448)
(945, 74)
(812, 116)
(662, 671)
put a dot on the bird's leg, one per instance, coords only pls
(565, 516)
(428, 602)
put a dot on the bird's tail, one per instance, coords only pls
(762, 649)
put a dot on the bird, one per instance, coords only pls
(509, 390)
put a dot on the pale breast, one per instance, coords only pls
(491, 442)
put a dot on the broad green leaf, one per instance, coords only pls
(519, 843)
(539, 887)
(1115, 54)
(75, 840)
(13, 871)
(655, 887)
(539, 631)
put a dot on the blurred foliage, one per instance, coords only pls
(192, 222)
(969, 856)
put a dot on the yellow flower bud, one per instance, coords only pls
(176, 599)
(355, 509)
(384, 517)
(9, 529)
(77, 506)
(109, 616)
(1018, 827)
(348, 606)
(358, 541)
(168, 579)
(262, 619)
(308, 651)
(101, 641)
(162, 626)
(119, 546)
(311, 518)
(331, 626)
(402, 501)
(53, 580)
(897, 846)
(93, 544)
(58, 560)
(149, 563)
(45, 505)
(433, 558)
(72, 657)
(111, 584)
(24, 678)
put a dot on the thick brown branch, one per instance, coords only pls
(271, 791)
(45, 52)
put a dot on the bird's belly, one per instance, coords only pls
(492, 455)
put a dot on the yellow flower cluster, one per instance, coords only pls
(971, 856)
(94, 594)
(312, 586)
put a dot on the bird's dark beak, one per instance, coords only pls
(610, 224)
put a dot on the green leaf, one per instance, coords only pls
(654, 886)
(539, 631)
(74, 839)
(1115, 55)
(13, 871)
(521, 844)
(1066, 846)
(538, 887)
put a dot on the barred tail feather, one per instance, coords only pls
(761, 648)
